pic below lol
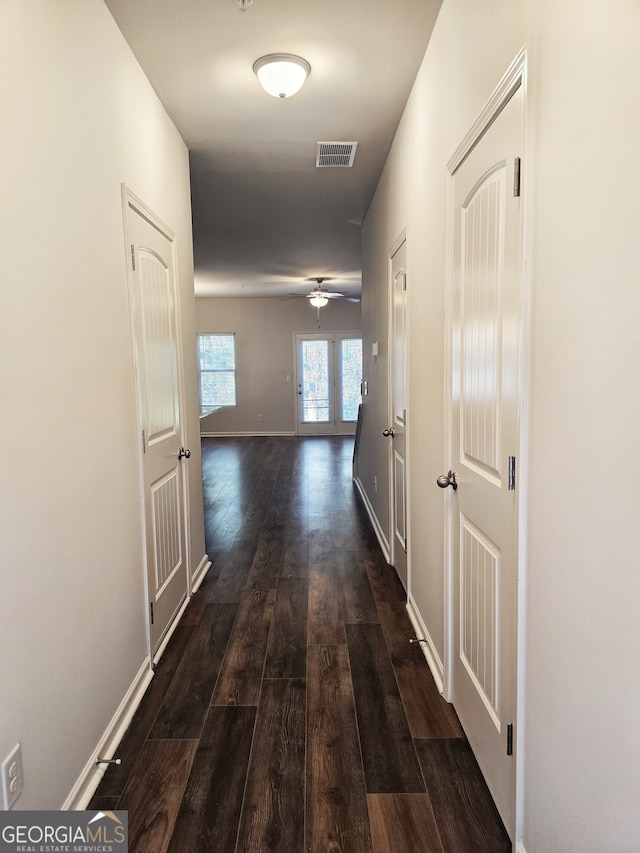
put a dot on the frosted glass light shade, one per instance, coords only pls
(318, 301)
(281, 74)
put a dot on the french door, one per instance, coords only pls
(329, 372)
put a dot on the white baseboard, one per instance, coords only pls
(251, 434)
(520, 848)
(428, 649)
(92, 774)
(382, 539)
(200, 573)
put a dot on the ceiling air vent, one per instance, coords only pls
(335, 154)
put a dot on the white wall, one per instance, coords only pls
(583, 685)
(78, 119)
(264, 330)
(581, 770)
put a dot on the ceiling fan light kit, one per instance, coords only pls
(281, 74)
(320, 296)
(318, 300)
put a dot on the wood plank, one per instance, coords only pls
(273, 809)
(240, 678)
(256, 513)
(103, 804)
(336, 807)
(384, 580)
(404, 822)
(344, 530)
(326, 618)
(465, 813)
(182, 712)
(358, 603)
(326, 615)
(295, 554)
(321, 548)
(233, 575)
(388, 755)
(210, 811)
(115, 778)
(428, 714)
(287, 648)
(266, 566)
(154, 792)
(278, 511)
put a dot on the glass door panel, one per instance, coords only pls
(350, 378)
(315, 409)
(316, 406)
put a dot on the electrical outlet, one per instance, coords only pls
(259, 417)
(12, 778)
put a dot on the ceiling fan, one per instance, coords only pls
(319, 296)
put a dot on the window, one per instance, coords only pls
(217, 371)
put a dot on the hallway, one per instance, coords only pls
(289, 712)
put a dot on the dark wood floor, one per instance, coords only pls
(289, 712)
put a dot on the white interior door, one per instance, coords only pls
(329, 372)
(398, 412)
(155, 332)
(486, 315)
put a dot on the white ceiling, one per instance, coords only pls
(265, 219)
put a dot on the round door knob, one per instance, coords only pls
(388, 432)
(184, 454)
(446, 480)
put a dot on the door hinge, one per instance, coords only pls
(510, 739)
(133, 257)
(516, 177)
(151, 609)
(405, 546)
(512, 473)
(144, 443)
(404, 281)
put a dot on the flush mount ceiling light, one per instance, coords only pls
(243, 5)
(281, 74)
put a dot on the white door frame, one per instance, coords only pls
(132, 201)
(514, 78)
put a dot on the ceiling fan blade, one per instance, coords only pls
(320, 292)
